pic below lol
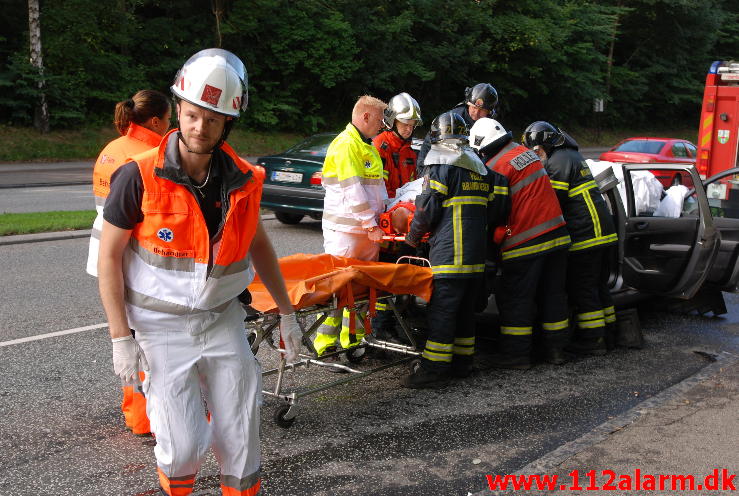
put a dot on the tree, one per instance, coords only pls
(41, 115)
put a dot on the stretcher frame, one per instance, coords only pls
(261, 329)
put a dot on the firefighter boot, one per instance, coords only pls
(426, 378)
(462, 367)
(588, 346)
(514, 353)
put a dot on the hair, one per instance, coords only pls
(144, 105)
(365, 103)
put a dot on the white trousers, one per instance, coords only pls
(219, 364)
(352, 245)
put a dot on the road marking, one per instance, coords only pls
(53, 334)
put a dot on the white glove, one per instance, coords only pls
(291, 335)
(127, 357)
(375, 234)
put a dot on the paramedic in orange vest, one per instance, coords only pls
(401, 117)
(533, 249)
(181, 240)
(141, 120)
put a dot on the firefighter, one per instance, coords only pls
(141, 120)
(460, 204)
(533, 248)
(180, 241)
(592, 229)
(479, 101)
(401, 117)
(355, 197)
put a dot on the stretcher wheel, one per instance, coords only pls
(356, 355)
(280, 419)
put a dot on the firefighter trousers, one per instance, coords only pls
(216, 365)
(587, 289)
(451, 317)
(529, 289)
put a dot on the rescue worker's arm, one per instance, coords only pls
(499, 203)
(265, 262)
(113, 242)
(559, 176)
(428, 208)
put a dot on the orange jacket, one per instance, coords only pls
(175, 277)
(535, 224)
(398, 160)
(137, 140)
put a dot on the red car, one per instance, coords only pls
(645, 150)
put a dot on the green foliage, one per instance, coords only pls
(309, 60)
(46, 221)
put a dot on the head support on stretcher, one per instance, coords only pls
(398, 219)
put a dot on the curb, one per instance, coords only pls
(551, 460)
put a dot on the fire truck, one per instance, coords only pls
(719, 127)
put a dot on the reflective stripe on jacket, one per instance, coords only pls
(536, 224)
(459, 208)
(398, 160)
(589, 222)
(352, 177)
(137, 140)
(175, 276)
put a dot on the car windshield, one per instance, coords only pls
(640, 146)
(315, 145)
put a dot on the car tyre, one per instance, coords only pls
(287, 218)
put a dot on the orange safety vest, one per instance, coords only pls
(398, 160)
(175, 277)
(137, 140)
(534, 206)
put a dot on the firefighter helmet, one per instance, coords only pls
(484, 131)
(404, 108)
(543, 134)
(482, 95)
(449, 126)
(214, 79)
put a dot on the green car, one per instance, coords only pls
(292, 183)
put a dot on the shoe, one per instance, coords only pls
(514, 362)
(555, 356)
(463, 372)
(589, 347)
(333, 359)
(425, 379)
(355, 354)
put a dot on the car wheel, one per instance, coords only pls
(287, 218)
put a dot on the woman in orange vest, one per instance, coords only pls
(141, 120)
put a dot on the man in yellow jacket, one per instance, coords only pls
(355, 197)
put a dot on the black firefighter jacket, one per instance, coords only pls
(461, 203)
(589, 222)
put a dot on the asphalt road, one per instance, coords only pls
(62, 431)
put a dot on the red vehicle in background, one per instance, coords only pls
(648, 150)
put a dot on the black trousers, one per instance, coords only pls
(451, 318)
(531, 290)
(588, 293)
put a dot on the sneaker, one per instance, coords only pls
(422, 379)
(333, 359)
(589, 347)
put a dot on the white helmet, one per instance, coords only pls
(404, 108)
(214, 79)
(484, 131)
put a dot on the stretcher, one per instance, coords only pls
(318, 285)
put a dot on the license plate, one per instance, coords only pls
(287, 177)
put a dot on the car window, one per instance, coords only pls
(691, 149)
(640, 146)
(679, 150)
(314, 145)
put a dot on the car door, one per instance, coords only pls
(669, 245)
(724, 273)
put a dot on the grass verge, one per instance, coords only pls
(36, 222)
(19, 144)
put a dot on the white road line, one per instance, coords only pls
(53, 334)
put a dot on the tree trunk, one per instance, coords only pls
(41, 113)
(218, 9)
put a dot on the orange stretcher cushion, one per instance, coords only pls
(314, 279)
